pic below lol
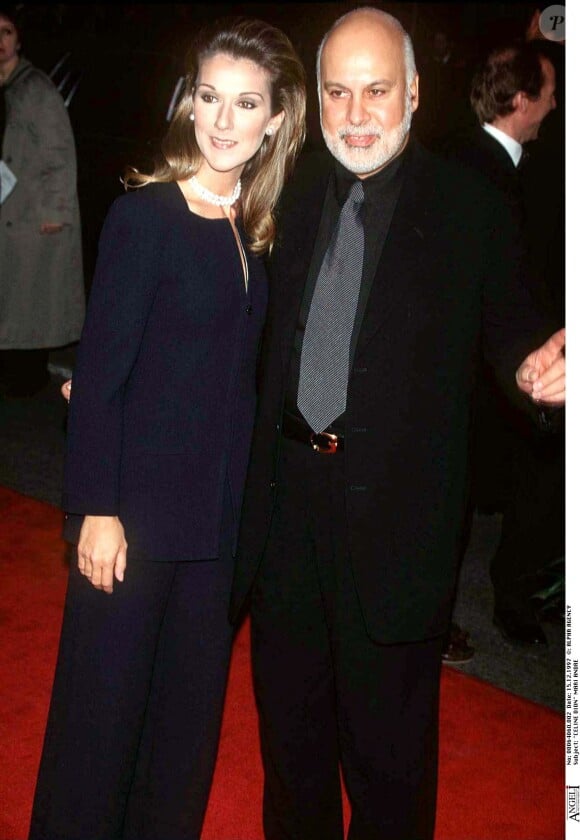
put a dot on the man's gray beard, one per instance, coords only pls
(360, 161)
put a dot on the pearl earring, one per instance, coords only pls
(192, 117)
(269, 131)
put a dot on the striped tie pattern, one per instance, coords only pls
(324, 364)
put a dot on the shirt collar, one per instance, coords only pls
(374, 186)
(512, 147)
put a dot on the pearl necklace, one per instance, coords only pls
(213, 198)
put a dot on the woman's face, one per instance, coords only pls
(9, 42)
(233, 109)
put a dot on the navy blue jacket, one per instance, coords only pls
(164, 388)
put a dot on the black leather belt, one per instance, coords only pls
(327, 443)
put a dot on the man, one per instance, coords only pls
(349, 540)
(511, 96)
(518, 467)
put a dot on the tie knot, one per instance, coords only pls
(357, 194)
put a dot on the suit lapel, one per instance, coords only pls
(293, 256)
(400, 265)
(401, 268)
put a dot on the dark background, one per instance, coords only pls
(123, 61)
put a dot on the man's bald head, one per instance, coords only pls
(368, 89)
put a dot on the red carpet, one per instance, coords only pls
(502, 775)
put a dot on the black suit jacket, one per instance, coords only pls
(535, 194)
(483, 153)
(446, 281)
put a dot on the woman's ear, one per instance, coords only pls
(274, 123)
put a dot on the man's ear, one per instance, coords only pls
(520, 102)
(414, 93)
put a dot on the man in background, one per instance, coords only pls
(518, 468)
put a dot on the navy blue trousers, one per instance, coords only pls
(137, 701)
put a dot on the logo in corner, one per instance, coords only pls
(553, 23)
(573, 803)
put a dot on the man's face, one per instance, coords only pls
(366, 108)
(537, 110)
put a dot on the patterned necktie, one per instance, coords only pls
(324, 364)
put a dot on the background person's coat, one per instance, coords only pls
(41, 275)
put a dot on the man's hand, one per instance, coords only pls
(65, 389)
(542, 374)
(102, 551)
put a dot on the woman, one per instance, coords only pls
(158, 441)
(42, 288)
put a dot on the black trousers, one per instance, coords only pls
(135, 715)
(533, 525)
(327, 695)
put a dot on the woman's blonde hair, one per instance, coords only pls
(264, 175)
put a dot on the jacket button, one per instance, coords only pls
(360, 370)
(272, 484)
(8, 224)
(248, 310)
(9, 159)
(358, 488)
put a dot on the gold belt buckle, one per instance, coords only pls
(324, 442)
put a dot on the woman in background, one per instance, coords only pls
(158, 443)
(41, 271)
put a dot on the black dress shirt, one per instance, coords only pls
(381, 194)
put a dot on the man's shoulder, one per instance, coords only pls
(451, 190)
(439, 169)
(314, 168)
(487, 159)
(480, 150)
(426, 173)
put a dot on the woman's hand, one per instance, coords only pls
(102, 551)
